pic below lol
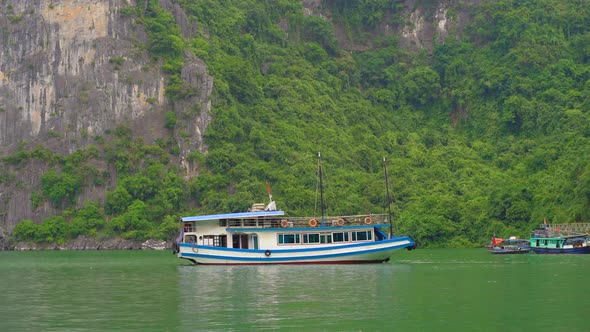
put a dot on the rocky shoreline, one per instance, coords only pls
(86, 243)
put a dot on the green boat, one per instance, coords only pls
(573, 244)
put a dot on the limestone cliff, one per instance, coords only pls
(70, 70)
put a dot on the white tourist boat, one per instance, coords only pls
(268, 237)
(264, 235)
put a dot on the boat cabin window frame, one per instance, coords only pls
(189, 227)
(305, 238)
(360, 236)
(288, 238)
(214, 240)
(338, 237)
(190, 238)
(311, 238)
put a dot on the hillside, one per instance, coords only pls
(119, 117)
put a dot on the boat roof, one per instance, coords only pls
(574, 236)
(237, 215)
(516, 240)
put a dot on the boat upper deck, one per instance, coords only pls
(276, 219)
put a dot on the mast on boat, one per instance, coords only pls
(388, 200)
(321, 188)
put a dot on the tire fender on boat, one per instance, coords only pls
(313, 222)
(368, 220)
(267, 252)
(284, 223)
(340, 222)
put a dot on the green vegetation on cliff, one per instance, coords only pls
(489, 133)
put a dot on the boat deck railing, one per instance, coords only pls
(569, 229)
(331, 221)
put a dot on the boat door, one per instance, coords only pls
(240, 241)
(254, 241)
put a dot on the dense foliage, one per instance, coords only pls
(487, 134)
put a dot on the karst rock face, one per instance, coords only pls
(71, 70)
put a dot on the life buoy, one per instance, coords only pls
(313, 222)
(284, 223)
(267, 253)
(368, 220)
(340, 222)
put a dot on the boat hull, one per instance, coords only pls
(510, 252)
(368, 252)
(580, 250)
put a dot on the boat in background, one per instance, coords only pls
(264, 235)
(561, 239)
(512, 245)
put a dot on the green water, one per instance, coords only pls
(421, 290)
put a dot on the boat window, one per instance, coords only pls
(362, 236)
(215, 240)
(190, 239)
(311, 238)
(188, 227)
(325, 238)
(340, 237)
(222, 222)
(288, 238)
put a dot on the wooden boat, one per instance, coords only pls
(264, 235)
(511, 245)
(559, 239)
(571, 244)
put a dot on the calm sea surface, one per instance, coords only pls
(421, 290)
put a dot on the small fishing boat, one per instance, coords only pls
(265, 235)
(511, 245)
(571, 244)
(560, 239)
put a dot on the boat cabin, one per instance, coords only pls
(270, 229)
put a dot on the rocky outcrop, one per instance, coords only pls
(70, 68)
(154, 245)
(86, 243)
(422, 24)
(70, 71)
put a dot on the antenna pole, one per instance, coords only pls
(321, 188)
(388, 199)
